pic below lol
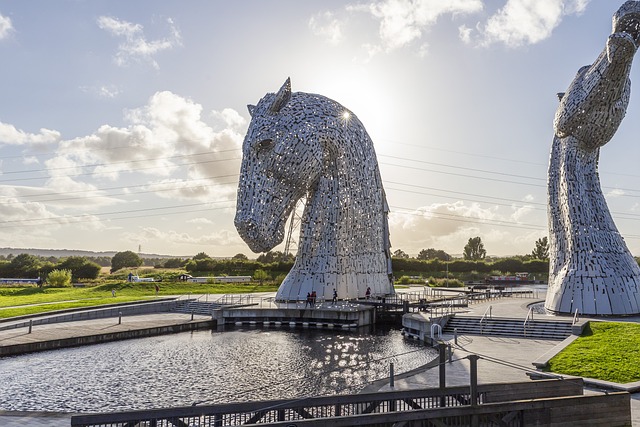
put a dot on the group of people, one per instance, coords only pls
(311, 298)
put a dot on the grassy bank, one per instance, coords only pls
(19, 301)
(607, 351)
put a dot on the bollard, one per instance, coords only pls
(391, 378)
(30, 325)
(473, 371)
(442, 372)
(450, 353)
(191, 314)
(119, 318)
(455, 335)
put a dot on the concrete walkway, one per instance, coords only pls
(502, 359)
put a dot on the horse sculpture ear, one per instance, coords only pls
(282, 97)
(251, 109)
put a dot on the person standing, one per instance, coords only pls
(335, 296)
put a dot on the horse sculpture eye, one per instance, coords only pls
(265, 144)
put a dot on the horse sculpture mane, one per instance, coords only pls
(590, 267)
(300, 144)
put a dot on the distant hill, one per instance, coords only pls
(61, 253)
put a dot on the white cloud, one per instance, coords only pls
(30, 160)
(135, 46)
(402, 22)
(523, 22)
(230, 118)
(104, 91)
(152, 234)
(328, 26)
(448, 226)
(6, 27)
(434, 225)
(165, 137)
(10, 135)
(465, 33)
(200, 221)
(616, 192)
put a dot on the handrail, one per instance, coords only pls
(526, 320)
(576, 318)
(484, 316)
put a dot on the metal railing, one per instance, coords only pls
(446, 406)
(296, 410)
(526, 320)
(576, 317)
(484, 317)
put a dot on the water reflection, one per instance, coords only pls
(204, 366)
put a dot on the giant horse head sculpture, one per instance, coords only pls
(591, 270)
(298, 145)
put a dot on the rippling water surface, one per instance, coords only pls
(204, 366)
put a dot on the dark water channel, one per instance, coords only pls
(204, 366)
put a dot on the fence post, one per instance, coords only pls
(391, 375)
(473, 371)
(442, 372)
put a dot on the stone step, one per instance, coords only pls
(557, 330)
(196, 307)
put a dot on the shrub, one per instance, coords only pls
(445, 283)
(404, 280)
(59, 278)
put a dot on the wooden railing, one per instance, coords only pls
(337, 408)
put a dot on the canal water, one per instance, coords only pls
(204, 367)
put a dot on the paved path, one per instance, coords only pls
(502, 359)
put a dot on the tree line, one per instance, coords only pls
(474, 251)
(274, 263)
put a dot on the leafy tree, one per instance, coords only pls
(173, 263)
(474, 249)
(537, 266)
(541, 251)
(241, 257)
(201, 255)
(80, 267)
(399, 253)
(260, 275)
(274, 256)
(25, 265)
(59, 278)
(125, 259)
(509, 265)
(431, 253)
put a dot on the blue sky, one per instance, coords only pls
(121, 122)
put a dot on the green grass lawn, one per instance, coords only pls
(607, 351)
(33, 300)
